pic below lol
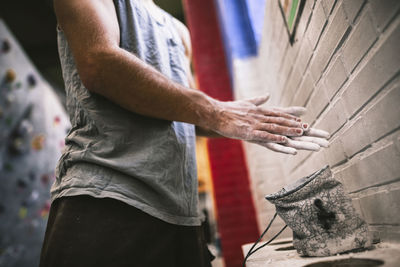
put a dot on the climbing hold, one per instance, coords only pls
(8, 167)
(34, 195)
(23, 211)
(31, 80)
(25, 128)
(62, 143)
(10, 75)
(21, 184)
(56, 120)
(5, 47)
(38, 142)
(32, 176)
(9, 121)
(17, 146)
(44, 212)
(18, 85)
(10, 98)
(45, 179)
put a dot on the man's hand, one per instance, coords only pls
(247, 120)
(311, 139)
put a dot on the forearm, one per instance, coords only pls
(129, 82)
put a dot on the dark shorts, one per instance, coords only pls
(87, 231)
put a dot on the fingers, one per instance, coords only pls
(280, 148)
(317, 133)
(259, 100)
(295, 110)
(301, 145)
(281, 130)
(264, 137)
(282, 121)
(275, 113)
(319, 141)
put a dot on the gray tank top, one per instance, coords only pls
(111, 152)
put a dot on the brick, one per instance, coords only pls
(383, 11)
(382, 207)
(335, 78)
(329, 41)
(286, 67)
(305, 16)
(360, 40)
(389, 235)
(316, 25)
(304, 56)
(335, 153)
(383, 117)
(291, 87)
(355, 138)
(333, 118)
(317, 160)
(318, 101)
(375, 73)
(328, 4)
(304, 91)
(377, 168)
(352, 8)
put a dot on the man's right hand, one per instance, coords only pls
(247, 120)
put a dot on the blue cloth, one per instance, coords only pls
(111, 152)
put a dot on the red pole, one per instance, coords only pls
(237, 222)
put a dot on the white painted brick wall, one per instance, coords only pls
(335, 77)
(345, 68)
(330, 39)
(352, 8)
(362, 37)
(317, 23)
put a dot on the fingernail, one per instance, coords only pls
(299, 131)
(305, 126)
(283, 139)
(298, 120)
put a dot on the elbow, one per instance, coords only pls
(89, 73)
(94, 67)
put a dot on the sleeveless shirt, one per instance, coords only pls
(111, 152)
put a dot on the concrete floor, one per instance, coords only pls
(284, 255)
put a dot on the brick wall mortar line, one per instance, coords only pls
(383, 224)
(376, 189)
(369, 48)
(374, 147)
(375, 141)
(358, 15)
(395, 76)
(395, 15)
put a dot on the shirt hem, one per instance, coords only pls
(169, 218)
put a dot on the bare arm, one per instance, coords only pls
(92, 31)
(185, 37)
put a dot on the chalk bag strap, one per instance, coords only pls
(253, 249)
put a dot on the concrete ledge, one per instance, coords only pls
(281, 253)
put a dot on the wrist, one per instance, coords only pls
(207, 111)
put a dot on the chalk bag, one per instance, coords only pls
(321, 216)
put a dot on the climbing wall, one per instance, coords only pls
(32, 129)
